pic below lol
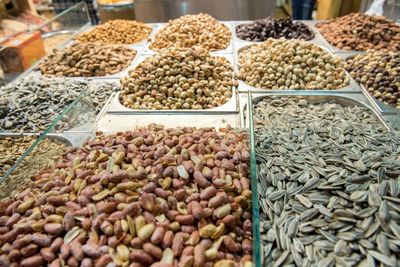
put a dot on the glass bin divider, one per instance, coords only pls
(41, 137)
(253, 176)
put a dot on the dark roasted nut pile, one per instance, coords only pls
(261, 29)
(328, 184)
(11, 149)
(153, 196)
(361, 32)
(193, 30)
(86, 60)
(379, 72)
(178, 79)
(281, 64)
(117, 31)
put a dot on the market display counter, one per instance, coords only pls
(244, 169)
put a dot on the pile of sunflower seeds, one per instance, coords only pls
(32, 104)
(328, 185)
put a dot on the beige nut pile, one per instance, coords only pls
(86, 60)
(116, 32)
(11, 149)
(178, 79)
(193, 30)
(280, 64)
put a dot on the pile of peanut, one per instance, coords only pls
(116, 32)
(178, 79)
(193, 30)
(153, 196)
(361, 32)
(86, 60)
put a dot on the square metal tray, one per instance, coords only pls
(377, 104)
(231, 106)
(316, 97)
(228, 50)
(352, 87)
(238, 42)
(154, 27)
(36, 71)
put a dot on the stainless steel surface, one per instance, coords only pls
(110, 123)
(231, 106)
(164, 10)
(352, 87)
(311, 97)
(393, 120)
(50, 34)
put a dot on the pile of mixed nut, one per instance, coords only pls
(117, 31)
(87, 60)
(178, 79)
(153, 196)
(193, 30)
(379, 72)
(281, 64)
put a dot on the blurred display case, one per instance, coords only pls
(20, 53)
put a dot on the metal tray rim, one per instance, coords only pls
(343, 96)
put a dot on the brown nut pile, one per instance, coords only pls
(153, 196)
(379, 72)
(116, 32)
(45, 153)
(193, 30)
(11, 149)
(178, 79)
(360, 32)
(87, 60)
(281, 64)
(262, 29)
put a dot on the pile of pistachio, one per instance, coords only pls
(178, 79)
(193, 30)
(280, 64)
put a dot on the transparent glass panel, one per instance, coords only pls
(254, 187)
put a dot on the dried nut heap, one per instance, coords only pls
(86, 60)
(11, 149)
(116, 32)
(193, 30)
(45, 153)
(178, 79)
(53, 41)
(32, 104)
(328, 185)
(360, 32)
(261, 29)
(379, 72)
(281, 64)
(153, 196)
